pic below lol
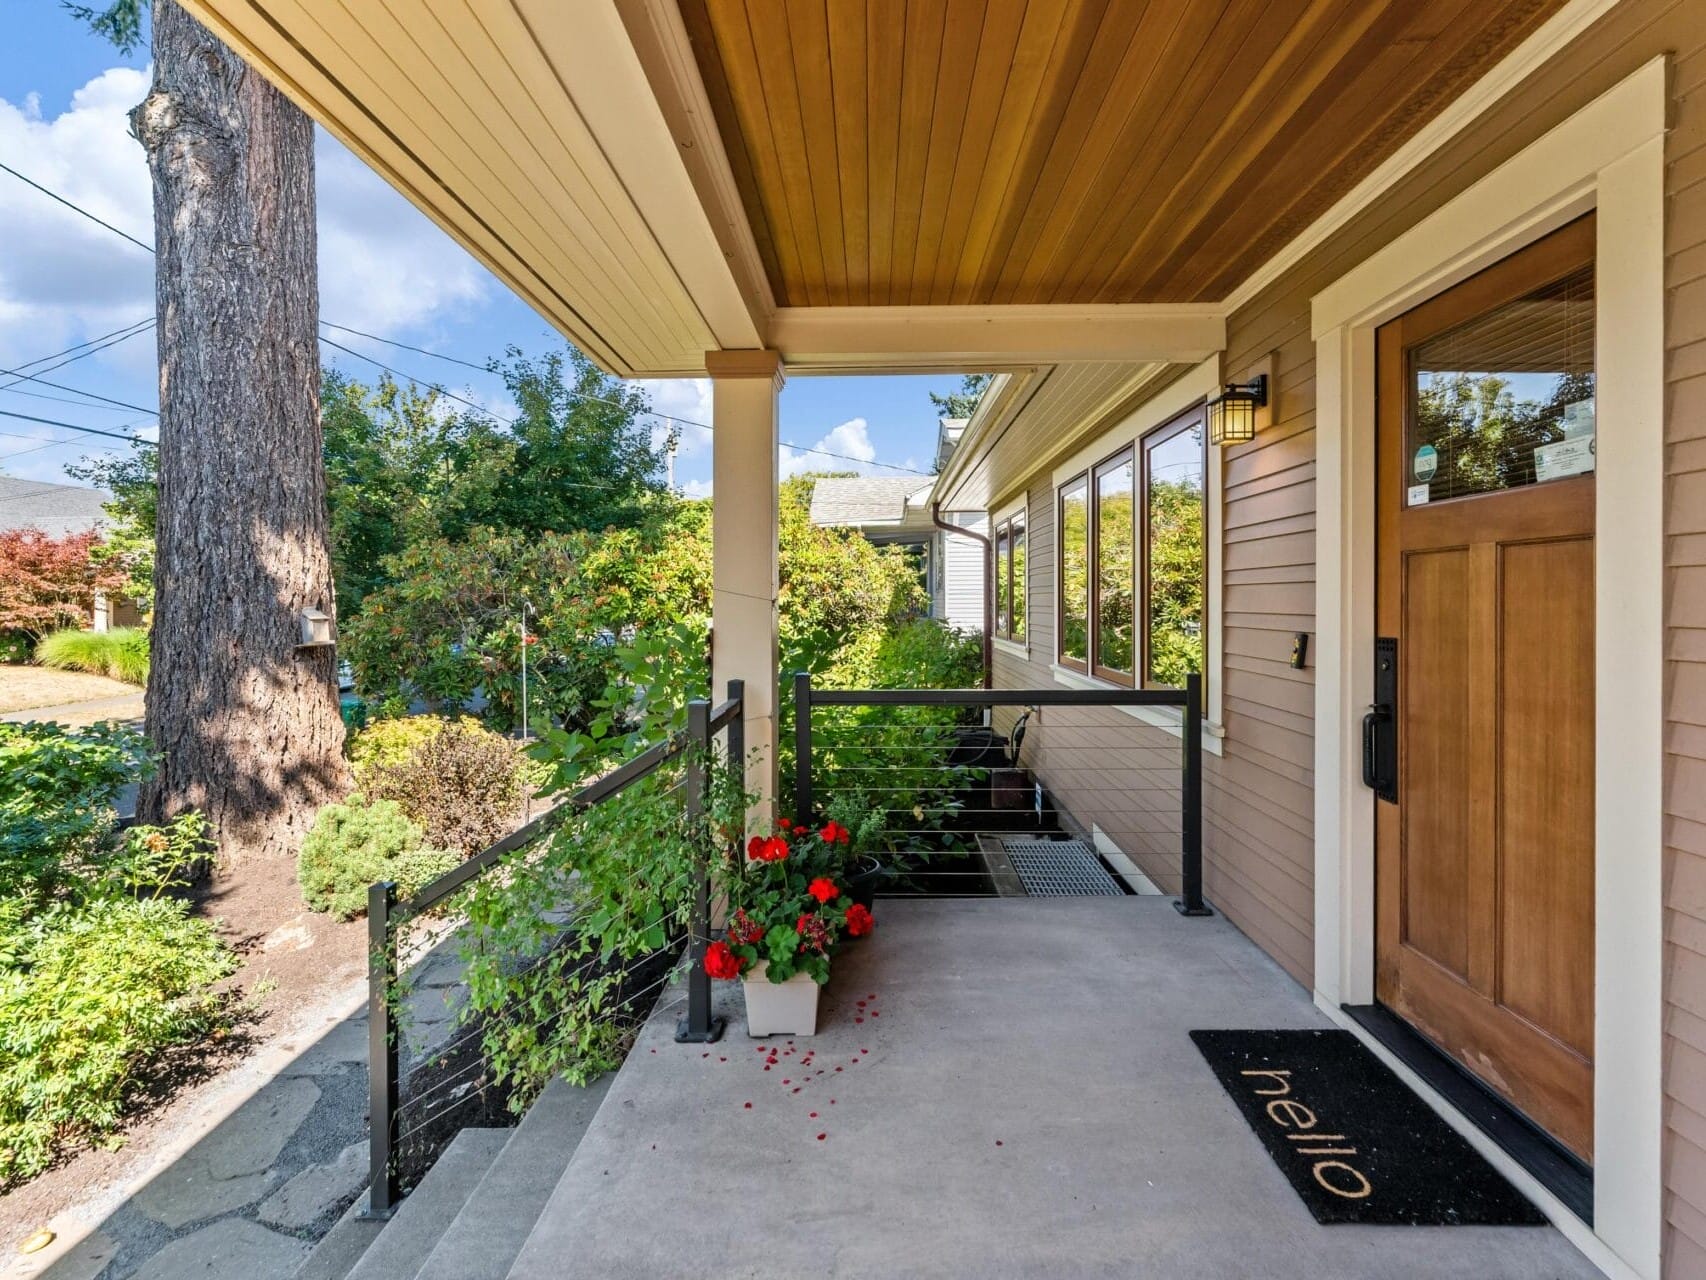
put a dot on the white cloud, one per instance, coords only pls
(851, 440)
(685, 402)
(696, 489)
(384, 267)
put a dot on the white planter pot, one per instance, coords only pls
(780, 1008)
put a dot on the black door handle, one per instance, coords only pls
(1371, 722)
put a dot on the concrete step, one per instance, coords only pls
(405, 1242)
(498, 1217)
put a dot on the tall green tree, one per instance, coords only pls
(246, 723)
(962, 403)
(128, 540)
(584, 459)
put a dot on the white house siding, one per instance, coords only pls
(959, 576)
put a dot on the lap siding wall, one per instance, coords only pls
(1259, 794)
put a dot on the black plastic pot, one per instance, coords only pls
(862, 886)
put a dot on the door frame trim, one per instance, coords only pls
(1607, 158)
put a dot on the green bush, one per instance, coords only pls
(385, 743)
(88, 995)
(121, 653)
(354, 845)
(57, 788)
(15, 647)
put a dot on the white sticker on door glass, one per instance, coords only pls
(1564, 458)
(1418, 494)
(1578, 420)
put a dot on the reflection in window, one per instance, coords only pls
(1016, 576)
(1116, 624)
(1003, 591)
(1173, 593)
(1075, 572)
(1507, 399)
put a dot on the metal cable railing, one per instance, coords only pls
(968, 808)
(388, 918)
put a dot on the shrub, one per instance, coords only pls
(391, 742)
(360, 843)
(463, 785)
(121, 653)
(87, 996)
(57, 787)
(15, 647)
(51, 582)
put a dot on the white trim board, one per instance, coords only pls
(1609, 156)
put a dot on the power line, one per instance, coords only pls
(60, 386)
(82, 355)
(798, 448)
(138, 325)
(72, 426)
(51, 195)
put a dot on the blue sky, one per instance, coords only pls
(384, 269)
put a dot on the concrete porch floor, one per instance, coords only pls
(1026, 1103)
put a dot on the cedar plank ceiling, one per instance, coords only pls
(1066, 151)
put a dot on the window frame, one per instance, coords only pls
(1125, 455)
(1080, 665)
(1136, 452)
(1175, 426)
(1007, 529)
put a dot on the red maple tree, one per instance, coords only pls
(47, 583)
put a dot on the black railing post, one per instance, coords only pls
(1190, 901)
(699, 1027)
(381, 1052)
(737, 730)
(802, 746)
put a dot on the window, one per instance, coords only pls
(1136, 520)
(1174, 551)
(1075, 573)
(1010, 578)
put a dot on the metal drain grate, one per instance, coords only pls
(1060, 869)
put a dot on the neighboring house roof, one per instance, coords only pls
(948, 433)
(872, 502)
(55, 509)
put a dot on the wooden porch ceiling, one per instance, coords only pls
(892, 152)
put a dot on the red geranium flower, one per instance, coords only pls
(755, 848)
(784, 824)
(859, 921)
(823, 890)
(814, 933)
(744, 929)
(720, 962)
(775, 850)
(834, 833)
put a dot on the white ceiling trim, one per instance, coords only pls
(887, 339)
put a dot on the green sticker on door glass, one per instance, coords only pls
(1426, 464)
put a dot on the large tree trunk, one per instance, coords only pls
(247, 725)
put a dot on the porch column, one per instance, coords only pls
(744, 390)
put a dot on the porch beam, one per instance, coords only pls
(948, 339)
(745, 386)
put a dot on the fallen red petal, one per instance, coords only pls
(822, 1136)
(749, 1106)
(814, 1115)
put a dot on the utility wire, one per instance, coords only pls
(60, 386)
(52, 195)
(138, 325)
(799, 448)
(72, 426)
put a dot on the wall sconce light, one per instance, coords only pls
(317, 630)
(1232, 414)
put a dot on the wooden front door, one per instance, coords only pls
(1485, 569)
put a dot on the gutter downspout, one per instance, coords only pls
(988, 587)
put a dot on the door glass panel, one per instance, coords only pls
(1173, 489)
(1003, 566)
(1075, 572)
(1116, 567)
(1506, 399)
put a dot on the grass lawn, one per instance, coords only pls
(24, 687)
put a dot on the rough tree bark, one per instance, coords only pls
(247, 725)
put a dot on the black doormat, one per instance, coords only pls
(1353, 1141)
